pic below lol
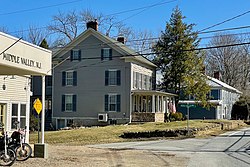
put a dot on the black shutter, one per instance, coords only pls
(106, 102)
(74, 78)
(110, 54)
(74, 102)
(101, 54)
(118, 103)
(63, 78)
(79, 55)
(63, 102)
(106, 78)
(71, 55)
(118, 77)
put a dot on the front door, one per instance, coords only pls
(2, 113)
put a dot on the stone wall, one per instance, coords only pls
(147, 117)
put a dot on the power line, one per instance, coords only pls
(145, 7)
(235, 17)
(43, 7)
(126, 11)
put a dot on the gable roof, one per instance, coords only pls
(118, 46)
(224, 85)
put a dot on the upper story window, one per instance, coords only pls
(69, 102)
(75, 55)
(69, 78)
(141, 81)
(106, 54)
(215, 94)
(112, 77)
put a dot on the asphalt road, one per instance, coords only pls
(231, 149)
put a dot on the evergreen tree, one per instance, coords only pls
(44, 44)
(180, 64)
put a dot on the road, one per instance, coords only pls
(230, 149)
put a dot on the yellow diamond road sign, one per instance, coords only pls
(38, 106)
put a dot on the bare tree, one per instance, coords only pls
(142, 42)
(35, 35)
(232, 61)
(69, 25)
(65, 24)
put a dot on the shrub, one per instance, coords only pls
(176, 116)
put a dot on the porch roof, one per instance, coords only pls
(153, 92)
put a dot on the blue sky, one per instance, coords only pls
(18, 15)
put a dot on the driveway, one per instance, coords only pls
(229, 149)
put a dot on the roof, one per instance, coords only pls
(153, 92)
(224, 85)
(118, 46)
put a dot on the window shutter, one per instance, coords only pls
(71, 55)
(79, 55)
(106, 102)
(110, 54)
(118, 103)
(74, 78)
(101, 54)
(74, 102)
(106, 77)
(63, 78)
(63, 102)
(118, 75)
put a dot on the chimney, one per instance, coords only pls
(121, 39)
(92, 24)
(217, 75)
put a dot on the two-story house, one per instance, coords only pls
(99, 81)
(222, 97)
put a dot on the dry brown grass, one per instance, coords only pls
(108, 134)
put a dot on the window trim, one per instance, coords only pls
(117, 102)
(110, 55)
(73, 103)
(117, 78)
(74, 57)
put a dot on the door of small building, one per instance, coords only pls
(3, 113)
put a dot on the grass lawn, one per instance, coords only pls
(108, 134)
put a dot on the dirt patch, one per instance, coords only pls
(68, 156)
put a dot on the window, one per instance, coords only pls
(112, 77)
(48, 80)
(113, 102)
(14, 116)
(106, 54)
(75, 55)
(69, 102)
(23, 116)
(134, 80)
(215, 94)
(69, 78)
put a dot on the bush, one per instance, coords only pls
(176, 116)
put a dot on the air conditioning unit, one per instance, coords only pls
(103, 117)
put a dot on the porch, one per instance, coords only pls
(151, 106)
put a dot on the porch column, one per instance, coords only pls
(137, 103)
(43, 108)
(146, 103)
(162, 105)
(167, 102)
(158, 104)
(153, 103)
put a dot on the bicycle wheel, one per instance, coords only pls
(8, 159)
(23, 152)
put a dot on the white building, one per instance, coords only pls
(19, 60)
